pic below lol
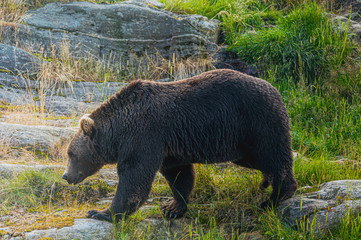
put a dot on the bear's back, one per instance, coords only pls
(206, 116)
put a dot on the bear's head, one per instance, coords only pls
(83, 158)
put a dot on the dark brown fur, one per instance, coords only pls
(218, 116)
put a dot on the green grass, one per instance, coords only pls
(303, 45)
(236, 16)
(299, 43)
(274, 228)
(32, 189)
(323, 123)
(224, 204)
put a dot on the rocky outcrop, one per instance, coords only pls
(17, 61)
(70, 98)
(41, 138)
(324, 209)
(124, 31)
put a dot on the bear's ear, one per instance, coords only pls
(87, 125)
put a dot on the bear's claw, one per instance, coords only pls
(174, 210)
(99, 215)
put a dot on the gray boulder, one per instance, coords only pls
(124, 31)
(41, 138)
(18, 61)
(324, 209)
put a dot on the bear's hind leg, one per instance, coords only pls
(181, 181)
(283, 187)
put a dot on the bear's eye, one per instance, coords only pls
(70, 154)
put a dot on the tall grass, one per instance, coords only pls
(304, 44)
(236, 16)
(11, 11)
(10, 14)
(323, 123)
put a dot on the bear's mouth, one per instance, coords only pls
(79, 179)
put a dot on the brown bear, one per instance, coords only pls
(218, 116)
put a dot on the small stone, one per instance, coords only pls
(9, 170)
(61, 211)
(348, 162)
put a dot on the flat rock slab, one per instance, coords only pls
(18, 61)
(85, 229)
(324, 209)
(82, 229)
(124, 32)
(40, 138)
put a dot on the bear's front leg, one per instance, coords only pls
(133, 189)
(181, 180)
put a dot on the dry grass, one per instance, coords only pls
(10, 13)
(5, 148)
(158, 68)
(62, 68)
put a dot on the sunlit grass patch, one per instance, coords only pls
(31, 189)
(323, 124)
(236, 16)
(304, 44)
(315, 171)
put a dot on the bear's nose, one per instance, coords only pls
(65, 176)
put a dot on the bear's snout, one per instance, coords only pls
(65, 176)
(73, 179)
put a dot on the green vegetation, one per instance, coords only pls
(32, 188)
(225, 203)
(303, 45)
